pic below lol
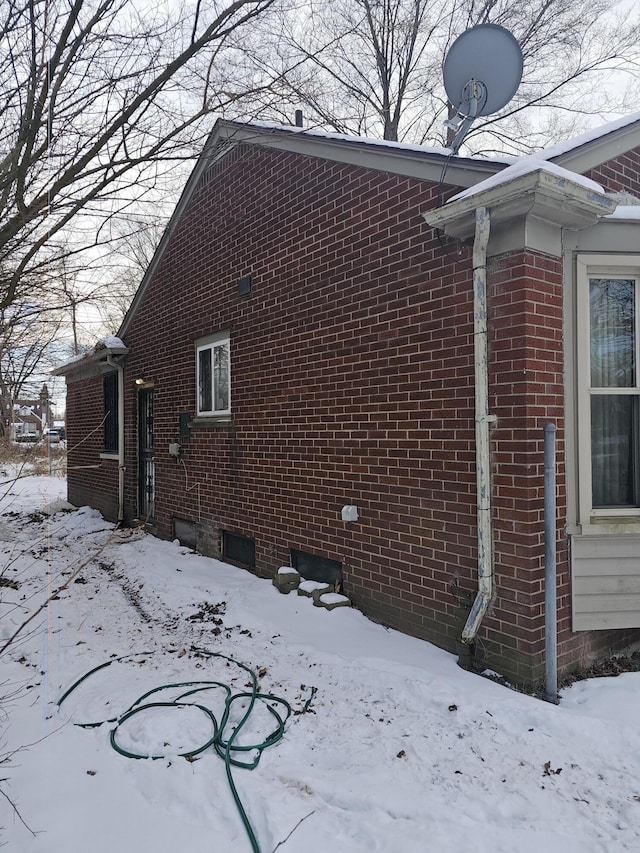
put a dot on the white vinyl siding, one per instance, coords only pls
(605, 582)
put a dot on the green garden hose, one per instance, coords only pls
(225, 746)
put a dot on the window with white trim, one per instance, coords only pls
(213, 375)
(609, 386)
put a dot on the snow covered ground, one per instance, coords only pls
(390, 746)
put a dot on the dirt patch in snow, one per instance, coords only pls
(612, 666)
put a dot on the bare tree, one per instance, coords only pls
(374, 67)
(96, 98)
(28, 331)
(133, 251)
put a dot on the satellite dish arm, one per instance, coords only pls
(475, 94)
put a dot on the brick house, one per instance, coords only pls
(304, 342)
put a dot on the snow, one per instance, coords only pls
(108, 343)
(368, 141)
(313, 586)
(390, 746)
(523, 166)
(626, 211)
(333, 598)
(541, 160)
(589, 136)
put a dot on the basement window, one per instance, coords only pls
(238, 549)
(315, 568)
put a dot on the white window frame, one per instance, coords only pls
(605, 266)
(211, 343)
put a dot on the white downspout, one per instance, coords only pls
(483, 420)
(120, 370)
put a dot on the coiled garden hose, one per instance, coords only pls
(226, 747)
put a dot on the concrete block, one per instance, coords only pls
(331, 600)
(286, 579)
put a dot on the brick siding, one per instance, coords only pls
(620, 174)
(353, 371)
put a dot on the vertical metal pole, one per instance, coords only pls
(550, 595)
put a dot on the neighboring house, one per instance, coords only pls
(26, 426)
(30, 418)
(302, 350)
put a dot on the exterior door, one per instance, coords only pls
(146, 467)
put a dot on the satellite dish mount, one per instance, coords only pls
(482, 72)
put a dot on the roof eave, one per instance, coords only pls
(78, 365)
(545, 195)
(596, 151)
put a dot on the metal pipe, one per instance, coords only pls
(121, 466)
(483, 420)
(550, 592)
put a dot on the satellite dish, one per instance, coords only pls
(482, 72)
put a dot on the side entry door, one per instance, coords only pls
(146, 467)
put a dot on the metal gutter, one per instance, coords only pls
(552, 197)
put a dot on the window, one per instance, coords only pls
(238, 549)
(315, 568)
(609, 382)
(110, 424)
(213, 375)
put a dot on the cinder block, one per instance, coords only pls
(331, 600)
(286, 579)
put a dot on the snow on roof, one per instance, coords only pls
(523, 166)
(546, 154)
(626, 211)
(107, 344)
(363, 140)
(589, 136)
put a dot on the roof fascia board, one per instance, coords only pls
(599, 150)
(92, 359)
(427, 165)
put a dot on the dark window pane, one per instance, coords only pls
(315, 568)
(204, 381)
(110, 397)
(614, 450)
(238, 549)
(221, 377)
(612, 331)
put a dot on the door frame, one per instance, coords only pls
(146, 458)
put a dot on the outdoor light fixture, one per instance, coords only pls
(140, 380)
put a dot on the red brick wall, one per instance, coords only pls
(352, 364)
(352, 379)
(91, 480)
(621, 173)
(526, 391)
